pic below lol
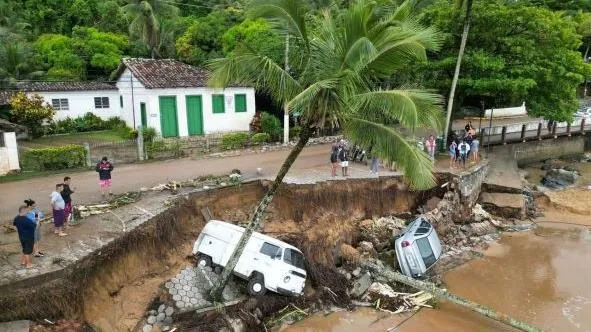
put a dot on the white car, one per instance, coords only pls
(586, 113)
(266, 263)
(417, 248)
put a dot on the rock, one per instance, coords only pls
(153, 312)
(560, 178)
(205, 187)
(16, 326)
(161, 308)
(381, 289)
(237, 324)
(169, 311)
(151, 319)
(147, 328)
(356, 272)
(160, 317)
(167, 321)
(361, 285)
(367, 247)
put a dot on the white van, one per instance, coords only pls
(266, 263)
(417, 248)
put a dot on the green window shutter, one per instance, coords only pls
(121, 101)
(240, 103)
(218, 104)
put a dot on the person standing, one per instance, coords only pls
(474, 148)
(343, 159)
(375, 164)
(35, 215)
(58, 205)
(452, 153)
(67, 196)
(334, 159)
(430, 144)
(26, 234)
(464, 150)
(104, 168)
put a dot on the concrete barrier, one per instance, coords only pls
(535, 151)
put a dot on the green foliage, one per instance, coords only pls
(56, 158)
(171, 148)
(260, 138)
(234, 140)
(255, 35)
(30, 112)
(514, 53)
(294, 132)
(88, 122)
(149, 134)
(203, 39)
(271, 125)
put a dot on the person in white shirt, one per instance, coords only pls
(58, 205)
(464, 149)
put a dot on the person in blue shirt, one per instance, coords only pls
(36, 215)
(26, 233)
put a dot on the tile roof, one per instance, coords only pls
(5, 96)
(164, 73)
(65, 86)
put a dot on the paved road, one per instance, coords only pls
(134, 176)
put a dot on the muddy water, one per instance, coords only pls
(539, 276)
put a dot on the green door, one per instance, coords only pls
(144, 115)
(168, 117)
(194, 115)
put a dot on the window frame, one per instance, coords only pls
(276, 249)
(62, 104)
(213, 98)
(121, 101)
(101, 104)
(289, 260)
(243, 95)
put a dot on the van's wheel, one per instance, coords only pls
(256, 285)
(203, 261)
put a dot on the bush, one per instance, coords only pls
(88, 122)
(295, 132)
(271, 125)
(260, 138)
(234, 140)
(149, 134)
(30, 112)
(57, 158)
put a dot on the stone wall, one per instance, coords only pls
(535, 151)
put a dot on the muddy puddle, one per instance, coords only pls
(540, 276)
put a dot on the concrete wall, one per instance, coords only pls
(212, 123)
(9, 154)
(82, 102)
(535, 151)
(506, 112)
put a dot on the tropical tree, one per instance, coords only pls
(146, 17)
(347, 54)
(466, 5)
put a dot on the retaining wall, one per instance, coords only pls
(535, 151)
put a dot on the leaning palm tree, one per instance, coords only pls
(465, 5)
(146, 16)
(345, 57)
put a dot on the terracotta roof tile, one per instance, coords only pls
(165, 73)
(65, 86)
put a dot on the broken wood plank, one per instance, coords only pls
(392, 275)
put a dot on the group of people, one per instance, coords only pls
(461, 148)
(28, 220)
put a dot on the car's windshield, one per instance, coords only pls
(294, 258)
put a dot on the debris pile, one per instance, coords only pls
(560, 178)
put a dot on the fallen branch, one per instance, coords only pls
(391, 275)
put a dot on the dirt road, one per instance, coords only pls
(134, 176)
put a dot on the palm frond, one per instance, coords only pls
(390, 145)
(288, 16)
(254, 70)
(301, 103)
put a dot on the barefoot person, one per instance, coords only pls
(430, 144)
(343, 159)
(35, 215)
(334, 160)
(104, 168)
(58, 205)
(26, 235)
(452, 153)
(67, 196)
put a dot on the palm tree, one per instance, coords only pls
(344, 59)
(146, 16)
(467, 6)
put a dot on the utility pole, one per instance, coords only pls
(285, 110)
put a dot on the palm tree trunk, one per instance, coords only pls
(585, 60)
(454, 83)
(428, 287)
(216, 291)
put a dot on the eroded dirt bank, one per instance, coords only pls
(113, 287)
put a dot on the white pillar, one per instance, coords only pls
(285, 126)
(12, 148)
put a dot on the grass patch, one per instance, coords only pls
(76, 138)
(35, 174)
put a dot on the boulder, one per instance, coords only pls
(361, 285)
(560, 178)
(366, 247)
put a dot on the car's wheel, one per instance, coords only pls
(256, 285)
(203, 261)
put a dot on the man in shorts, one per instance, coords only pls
(464, 149)
(104, 168)
(58, 205)
(343, 159)
(67, 196)
(26, 234)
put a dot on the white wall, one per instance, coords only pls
(9, 154)
(212, 123)
(506, 112)
(82, 102)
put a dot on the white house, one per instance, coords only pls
(74, 99)
(173, 98)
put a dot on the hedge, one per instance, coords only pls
(234, 140)
(260, 138)
(57, 158)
